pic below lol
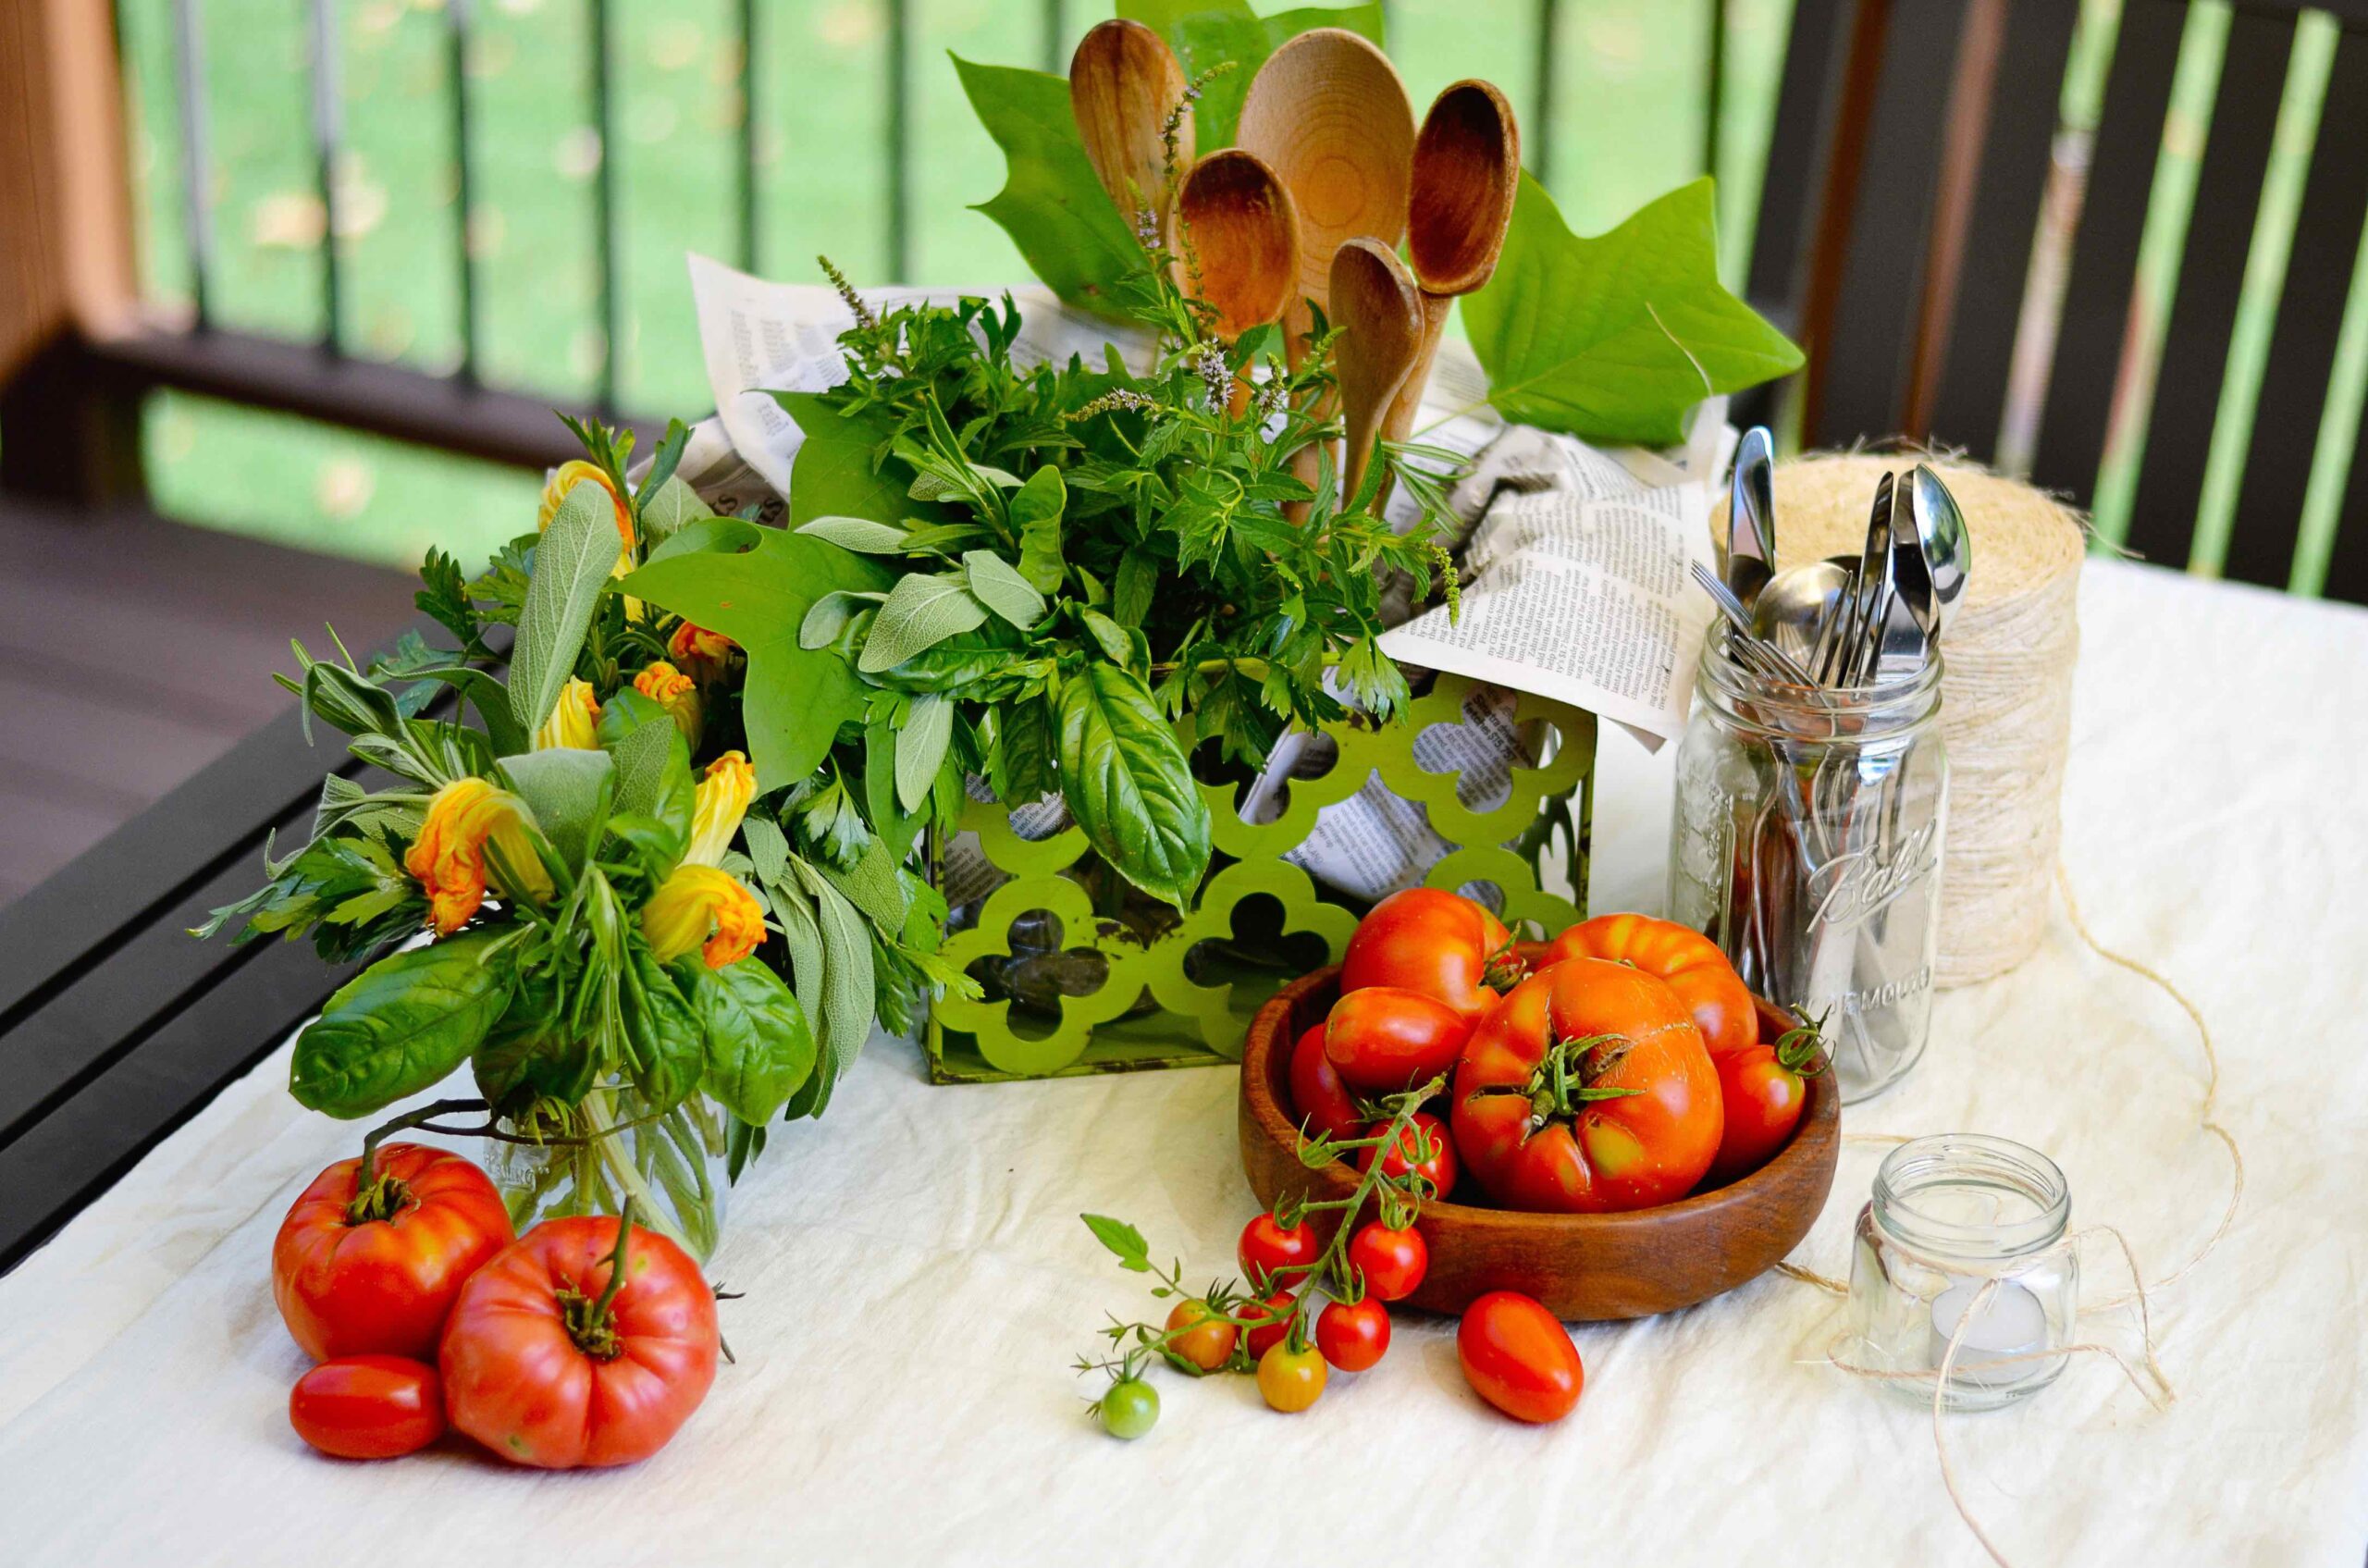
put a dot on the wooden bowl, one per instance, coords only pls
(1585, 1267)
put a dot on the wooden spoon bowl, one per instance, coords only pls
(1583, 1268)
(1243, 233)
(1466, 173)
(1379, 313)
(1124, 82)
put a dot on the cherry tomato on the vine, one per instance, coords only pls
(1440, 943)
(1763, 1092)
(1290, 1380)
(1353, 1335)
(1317, 1094)
(1129, 1408)
(1440, 1167)
(1519, 1358)
(1207, 1339)
(1383, 1039)
(368, 1406)
(1267, 1245)
(1276, 1309)
(1392, 1261)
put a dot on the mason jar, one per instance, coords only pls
(1963, 1241)
(1807, 842)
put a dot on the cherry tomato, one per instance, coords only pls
(1317, 1094)
(546, 1367)
(1382, 1039)
(1290, 1380)
(1763, 1091)
(1207, 1346)
(1440, 1169)
(1129, 1408)
(1437, 942)
(1353, 1336)
(1392, 1261)
(368, 1406)
(1268, 1246)
(1276, 1309)
(376, 1273)
(1518, 1358)
(1680, 957)
(1587, 1091)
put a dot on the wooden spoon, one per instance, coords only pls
(1467, 170)
(1235, 220)
(1379, 312)
(1124, 82)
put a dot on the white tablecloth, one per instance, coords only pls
(917, 1279)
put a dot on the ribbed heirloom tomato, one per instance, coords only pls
(1437, 942)
(1680, 957)
(373, 1269)
(1587, 1090)
(555, 1357)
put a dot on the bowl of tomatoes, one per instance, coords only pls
(1624, 1129)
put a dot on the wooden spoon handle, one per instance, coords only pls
(1400, 421)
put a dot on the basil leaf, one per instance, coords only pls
(859, 534)
(1002, 589)
(920, 612)
(758, 1046)
(1110, 637)
(572, 560)
(920, 748)
(1130, 594)
(400, 1026)
(663, 1033)
(1036, 509)
(1129, 786)
(531, 1052)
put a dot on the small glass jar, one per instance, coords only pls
(1949, 1215)
(1807, 842)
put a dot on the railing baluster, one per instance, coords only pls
(747, 172)
(604, 207)
(326, 134)
(197, 195)
(456, 41)
(1538, 149)
(899, 171)
(1055, 61)
(1715, 86)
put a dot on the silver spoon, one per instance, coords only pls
(1792, 608)
(1947, 546)
(1749, 560)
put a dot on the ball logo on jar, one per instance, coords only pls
(1859, 883)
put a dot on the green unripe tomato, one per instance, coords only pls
(1130, 1409)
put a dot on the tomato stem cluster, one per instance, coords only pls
(588, 1320)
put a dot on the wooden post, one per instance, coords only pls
(66, 259)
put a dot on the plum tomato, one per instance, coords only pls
(1290, 1380)
(1391, 1263)
(1268, 1246)
(1518, 1357)
(1317, 1094)
(368, 1406)
(1207, 1338)
(1383, 1039)
(1129, 1408)
(1762, 1091)
(374, 1270)
(1680, 957)
(1423, 1129)
(1277, 1311)
(1435, 942)
(1353, 1336)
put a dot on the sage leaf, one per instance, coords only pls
(920, 612)
(400, 1026)
(830, 617)
(725, 535)
(653, 764)
(846, 987)
(1036, 509)
(572, 560)
(672, 508)
(1002, 589)
(768, 847)
(569, 793)
(859, 534)
(920, 748)
(759, 1047)
(872, 885)
(1129, 786)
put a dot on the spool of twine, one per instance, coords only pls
(2006, 691)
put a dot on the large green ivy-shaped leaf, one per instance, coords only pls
(1071, 234)
(834, 474)
(1614, 338)
(796, 699)
(1209, 32)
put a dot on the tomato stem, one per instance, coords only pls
(587, 1321)
(379, 1197)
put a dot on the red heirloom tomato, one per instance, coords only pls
(368, 1406)
(1437, 942)
(1317, 1094)
(1353, 1336)
(1276, 1309)
(1391, 1261)
(1518, 1358)
(1383, 1039)
(1587, 1091)
(1266, 1246)
(1679, 956)
(374, 1272)
(1763, 1093)
(1440, 1167)
(556, 1358)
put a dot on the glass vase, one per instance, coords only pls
(590, 1157)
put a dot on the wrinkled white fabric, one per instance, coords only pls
(917, 1279)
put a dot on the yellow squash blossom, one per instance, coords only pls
(721, 801)
(699, 905)
(449, 858)
(566, 479)
(676, 693)
(574, 721)
(702, 654)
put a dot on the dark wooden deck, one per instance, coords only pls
(134, 651)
